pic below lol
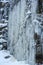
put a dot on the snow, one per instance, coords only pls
(1, 47)
(26, 17)
(4, 1)
(9, 61)
(29, 12)
(3, 25)
(2, 40)
(35, 21)
(3, 19)
(1, 9)
(6, 21)
(1, 36)
(37, 26)
(6, 28)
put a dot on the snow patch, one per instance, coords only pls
(9, 61)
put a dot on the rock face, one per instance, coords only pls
(21, 31)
